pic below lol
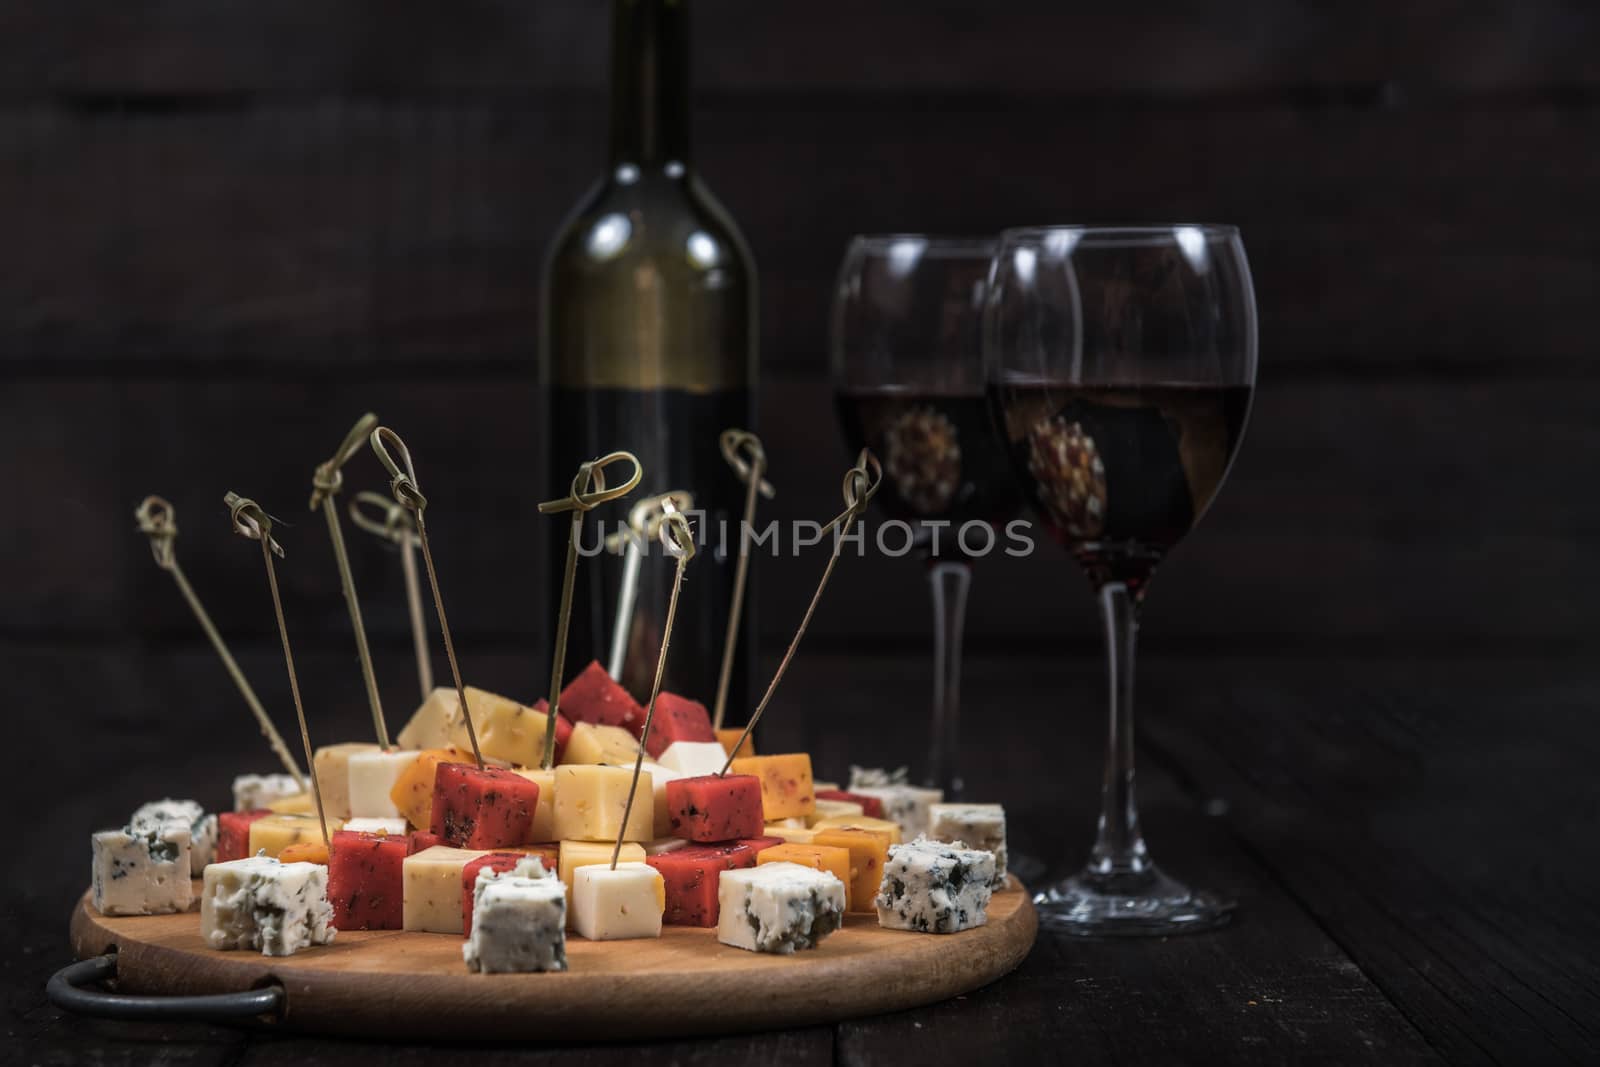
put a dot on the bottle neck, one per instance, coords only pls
(649, 82)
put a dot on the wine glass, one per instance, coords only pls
(908, 379)
(1121, 362)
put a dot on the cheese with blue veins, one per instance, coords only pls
(778, 907)
(934, 888)
(141, 872)
(188, 814)
(259, 903)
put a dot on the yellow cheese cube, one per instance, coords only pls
(659, 777)
(869, 851)
(274, 833)
(785, 783)
(864, 822)
(728, 738)
(333, 775)
(413, 790)
(836, 861)
(544, 816)
(506, 730)
(827, 809)
(430, 725)
(595, 743)
(797, 835)
(590, 800)
(295, 804)
(431, 888)
(575, 854)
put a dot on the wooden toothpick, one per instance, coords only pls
(159, 522)
(325, 485)
(403, 483)
(750, 471)
(252, 522)
(860, 483)
(678, 540)
(588, 492)
(644, 521)
(396, 526)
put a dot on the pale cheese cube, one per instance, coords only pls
(371, 778)
(252, 792)
(778, 907)
(141, 872)
(597, 743)
(795, 835)
(544, 816)
(979, 826)
(906, 805)
(188, 814)
(832, 809)
(576, 854)
(591, 799)
(369, 825)
(259, 903)
(819, 785)
(430, 726)
(333, 775)
(506, 730)
(274, 833)
(618, 904)
(934, 888)
(518, 926)
(431, 888)
(659, 777)
(694, 758)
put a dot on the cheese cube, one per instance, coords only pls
(576, 854)
(617, 903)
(233, 834)
(295, 804)
(827, 809)
(254, 791)
(275, 833)
(690, 875)
(487, 808)
(869, 851)
(798, 835)
(693, 758)
(823, 786)
(595, 698)
(372, 776)
(865, 822)
(978, 826)
(713, 808)
(413, 790)
(518, 926)
(366, 880)
(590, 800)
(544, 815)
(659, 777)
(594, 743)
(332, 764)
(677, 719)
(367, 825)
(508, 730)
(279, 908)
(778, 907)
(785, 783)
(934, 888)
(141, 872)
(431, 724)
(305, 852)
(662, 845)
(869, 805)
(834, 860)
(421, 841)
(187, 814)
(728, 738)
(488, 865)
(431, 889)
(906, 805)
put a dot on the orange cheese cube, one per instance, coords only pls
(836, 861)
(786, 789)
(869, 850)
(729, 738)
(413, 790)
(305, 852)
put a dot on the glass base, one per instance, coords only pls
(1129, 904)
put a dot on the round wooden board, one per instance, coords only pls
(390, 984)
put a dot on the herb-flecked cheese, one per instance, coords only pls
(519, 922)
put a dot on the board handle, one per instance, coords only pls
(66, 991)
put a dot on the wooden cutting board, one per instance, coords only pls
(394, 984)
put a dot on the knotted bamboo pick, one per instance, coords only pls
(750, 471)
(403, 483)
(860, 483)
(588, 492)
(397, 527)
(326, 482)
(253, 523)
(678, 540)
(159, 522)
(644, 521)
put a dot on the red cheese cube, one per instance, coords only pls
(233, 833)
(756, 844)
(417, 840)
(495, 861)
(715, 807)
(563, 726)
(365, 880)
(485, 808)
(594, 697)
(691, 875)
(678, 719)
(871, 806)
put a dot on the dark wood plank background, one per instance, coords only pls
(226, 228)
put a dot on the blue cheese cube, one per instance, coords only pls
(935, 888)
(907, 805)
(252, 792)
(519, 922)
(189, 815)
(259, 903)
(778, 907)
(980, 826)
(141, 872)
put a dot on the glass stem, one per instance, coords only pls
(949, 581)
(1119, 846)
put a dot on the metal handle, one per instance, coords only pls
(65, 990)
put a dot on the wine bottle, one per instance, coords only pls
(649, 345)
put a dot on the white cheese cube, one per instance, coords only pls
(372, 776)
(396, 825)
(252, 792)
(778, 907)
(979, 826)
(189, 815)
(141, 872)
(693, 758)
(659, 777)
(518, 925)
(257, 902)
(934, 888)
(906, 805)
(618, 903)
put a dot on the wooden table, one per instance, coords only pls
(1411, 841)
